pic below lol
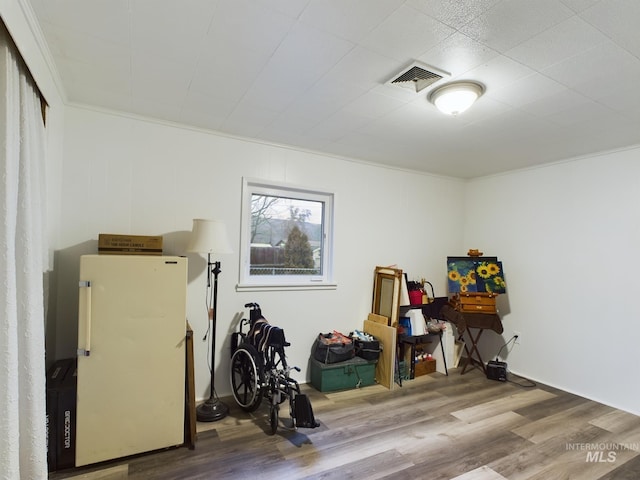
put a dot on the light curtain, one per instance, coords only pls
(23, 453)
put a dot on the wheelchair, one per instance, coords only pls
(259, 371)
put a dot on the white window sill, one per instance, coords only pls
(285, 287)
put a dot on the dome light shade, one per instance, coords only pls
(455, 98)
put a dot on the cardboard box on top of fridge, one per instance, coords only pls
(129, 244)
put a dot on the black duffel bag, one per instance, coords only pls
(369, 350)
(332, 348)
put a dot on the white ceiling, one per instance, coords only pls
(561, 76)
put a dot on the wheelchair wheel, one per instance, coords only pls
(274, 412)
(246, 377)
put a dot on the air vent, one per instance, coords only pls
(418, 77)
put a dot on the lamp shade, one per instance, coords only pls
(455, 98)
(209, 236)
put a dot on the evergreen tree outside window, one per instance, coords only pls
(297, 251)
(286, 237)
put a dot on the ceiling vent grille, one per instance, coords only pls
(418, 77)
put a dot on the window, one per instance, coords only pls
(286, 237)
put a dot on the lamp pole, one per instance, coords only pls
(212, 409)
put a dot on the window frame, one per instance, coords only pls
(248, 282)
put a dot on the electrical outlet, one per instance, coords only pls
(518, 339)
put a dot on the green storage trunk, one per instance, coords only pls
(353, 373)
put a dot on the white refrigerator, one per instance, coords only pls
(131, 355)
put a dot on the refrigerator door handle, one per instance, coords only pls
(86, 351)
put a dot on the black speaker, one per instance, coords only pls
(497, 371)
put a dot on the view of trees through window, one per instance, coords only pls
(286, 236)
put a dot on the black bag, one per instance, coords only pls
(368, 350)
(332, 348)
(303, 412)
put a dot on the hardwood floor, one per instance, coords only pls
(462, 427)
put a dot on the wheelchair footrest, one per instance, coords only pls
(304, 412)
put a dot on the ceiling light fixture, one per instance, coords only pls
(455, 98)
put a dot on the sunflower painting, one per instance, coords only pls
(482, 274)
(462, 275)
(490, 277)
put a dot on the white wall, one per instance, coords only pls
(126, 175)
(568, 235)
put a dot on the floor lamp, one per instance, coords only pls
(210, 236)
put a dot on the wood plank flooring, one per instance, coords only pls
(462, 427)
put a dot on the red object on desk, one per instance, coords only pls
(415, 297)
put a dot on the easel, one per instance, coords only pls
(464, 322)
(470, 360)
